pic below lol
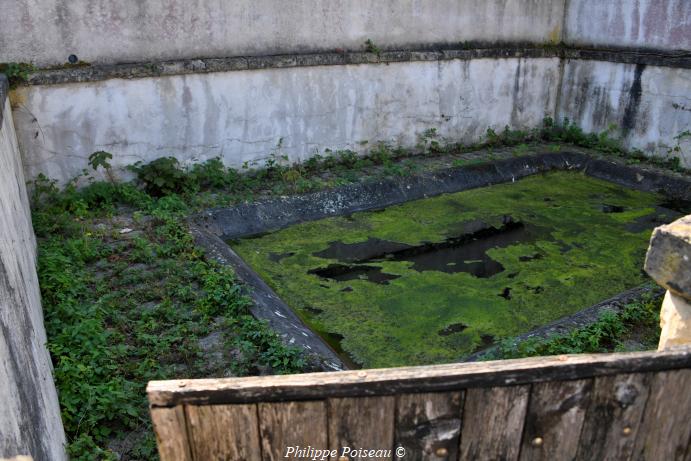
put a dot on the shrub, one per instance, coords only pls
(162, 176)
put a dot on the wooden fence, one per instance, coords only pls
(589, 407)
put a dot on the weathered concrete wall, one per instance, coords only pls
(660, 24)
(48, 31)
(649, 105)
(243, 116)
(29, 412)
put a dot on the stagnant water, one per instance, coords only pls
(434, 280)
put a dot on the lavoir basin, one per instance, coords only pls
(437, 279)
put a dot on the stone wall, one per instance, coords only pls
(29, 413)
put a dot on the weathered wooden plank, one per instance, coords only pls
(493, 422)
(361, 423)
(171, 433)
(288, 427)
(554, 419)
(428, 425)
(437, 378)
(665, 430)
(224, 432)
(613, 417)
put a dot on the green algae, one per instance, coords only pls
(575, 255)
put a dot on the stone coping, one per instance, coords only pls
(272, 214)
(87, 73)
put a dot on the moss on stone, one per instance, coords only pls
(575, 256)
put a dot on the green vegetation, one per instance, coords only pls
(17, 72)
(370, 47)
(123, 307)
(579, 232)
(636, 326)
(570, 133)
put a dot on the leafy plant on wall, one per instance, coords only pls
(17, 72)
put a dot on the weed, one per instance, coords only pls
(162, 176)
(100, 159)
(105, 345)
(17, 72)
(212, 174)
(347, 158)
(521, 149)
(428, 142)
(607, 334)
(370, 47)
(111, 328)
(381, 154)
(459, 162)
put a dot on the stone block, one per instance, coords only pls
(669, 257)
(675, 320)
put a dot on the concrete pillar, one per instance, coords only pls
(668, 262)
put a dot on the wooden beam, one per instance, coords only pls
(224, 432)
(493, 422)
(391, 381)
(364, 422)
(286, 427)
(610, 428)
(428, 425)
(665, 432)
(171, 433)
(554, 420)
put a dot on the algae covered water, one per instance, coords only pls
(435, 280)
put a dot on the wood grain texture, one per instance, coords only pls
(363, 422)
(554, 419)
(224, 432)
(428, 425)
(613, 417)
(665, 430)
(292, 424)
(171, 433)
(493, 422)
(436, 378)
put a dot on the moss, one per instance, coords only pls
(573, 255)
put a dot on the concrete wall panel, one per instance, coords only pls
(29, 412)
(244, 116)
(46, 32)
(660, 24)
(650, 106)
